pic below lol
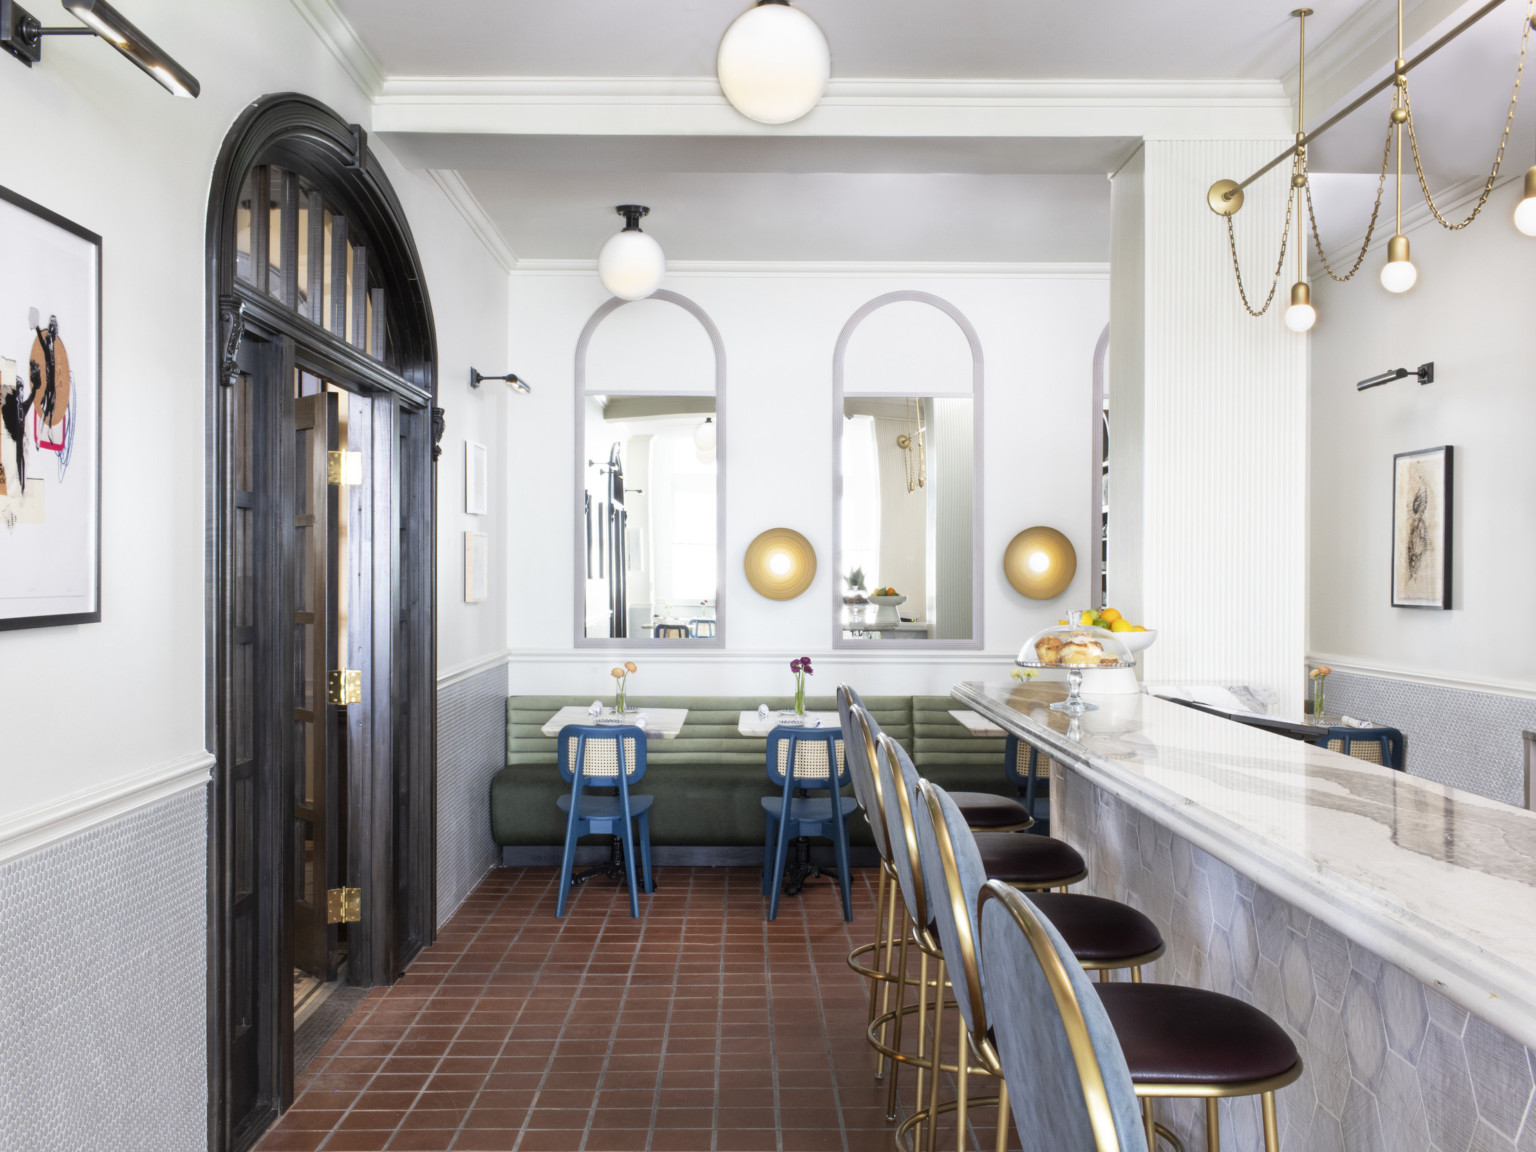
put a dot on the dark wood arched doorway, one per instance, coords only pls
(322, 429)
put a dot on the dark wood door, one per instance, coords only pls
(315, 655)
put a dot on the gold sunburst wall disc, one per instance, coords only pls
(780, 564)
(1040, 563)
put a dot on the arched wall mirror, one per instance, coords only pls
(650, 476)
(907, 377)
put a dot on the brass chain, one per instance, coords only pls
(1317, 240)
(1285, 239)
(1498, 159)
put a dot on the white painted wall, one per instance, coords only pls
(89, 136)
(1471, 314)
(779, 325)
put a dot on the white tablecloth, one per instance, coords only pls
(660, 723)
(750, 725)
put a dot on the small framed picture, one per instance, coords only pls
(477, 567)
(1422, 505)
(477, 479)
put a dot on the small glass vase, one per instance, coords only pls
(800, 696)
(618, 700)
(1317, 699)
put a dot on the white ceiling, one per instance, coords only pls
(906, 198)
(918, 39)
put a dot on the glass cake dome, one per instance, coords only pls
(1076, 649)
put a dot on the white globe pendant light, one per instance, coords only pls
(704, 435)
(631, 265)
(1525, 211)
(773, 63)
(1300, 316)
(1398, 274)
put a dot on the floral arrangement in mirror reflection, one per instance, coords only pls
(1319, 677)
(621, 685)
(801, 668)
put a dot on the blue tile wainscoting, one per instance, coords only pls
(1469, 739)
(471, 748)
(103, 985)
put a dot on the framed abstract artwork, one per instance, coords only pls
(477, 482)
(50, 418)
(1422, 507)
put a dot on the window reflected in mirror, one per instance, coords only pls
(907, 524)
(651, 518)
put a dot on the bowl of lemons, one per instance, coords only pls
(1136, 637)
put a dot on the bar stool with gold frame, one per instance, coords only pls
(1188, 1043)
(860, 732)
(1110, 936)
(1029, 861)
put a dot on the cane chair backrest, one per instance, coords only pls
(596, 748)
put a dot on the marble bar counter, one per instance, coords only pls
(1387, 921)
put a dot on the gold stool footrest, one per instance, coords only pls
(904, 1129)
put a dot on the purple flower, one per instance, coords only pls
(795, 665)
(805, 664)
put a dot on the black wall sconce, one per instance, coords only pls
(22, 36)
(517, 383)
(1425, 375)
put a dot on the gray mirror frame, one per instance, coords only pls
(978, 540)
(722, 436)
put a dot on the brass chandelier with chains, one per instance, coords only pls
(1398, 274)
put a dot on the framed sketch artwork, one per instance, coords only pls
(477, 567)
(477, 479)
(50, 418)
(1422, 498)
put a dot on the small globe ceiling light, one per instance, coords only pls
(1525, 211)
(1398, 274)
(631, 265)
(1300, 316)
(704, 435)
(773, 63)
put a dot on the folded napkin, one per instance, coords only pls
(639, 721)
(1351, 722)
(762, 711)
(595, 709)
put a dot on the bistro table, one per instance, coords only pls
(660, 723)
(750, 724)
(977, 724)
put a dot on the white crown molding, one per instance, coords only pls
(475, 215)
(1452, 200)
(1361, 50)
(472, 668)
(337, 34)
(851, 269)
(1523, 691)
(1226, 109)
(50, 823)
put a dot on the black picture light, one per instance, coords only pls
(510, 378)
(1425, 375)
(22, 36)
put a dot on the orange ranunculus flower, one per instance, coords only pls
(617, 673)
(629, 665)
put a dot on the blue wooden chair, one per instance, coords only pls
(590, 757)
(1021, 764)
(702, 629)
(1377, 745)
(671, 632)
(806, 759)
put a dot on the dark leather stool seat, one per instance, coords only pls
(985, 812)
(1189, 1036)
(1040, 861)
(1101, 933)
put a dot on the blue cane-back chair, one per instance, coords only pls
(1064, 1071)
(1021, 764)
(810, 759)
(1377, 745)
(589, 757)
(671, 632)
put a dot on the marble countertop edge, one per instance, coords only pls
(1494, 990)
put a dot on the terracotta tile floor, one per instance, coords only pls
(699, 1026)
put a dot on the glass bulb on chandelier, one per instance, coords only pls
(704, 435)
(1525, 211)
(1398, 274)
(773, 63)
(631, 264)
(1300, 316)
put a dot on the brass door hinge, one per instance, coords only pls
(344, 468)
(343, 905)
(344, 686)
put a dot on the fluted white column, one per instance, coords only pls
(1208, 424)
